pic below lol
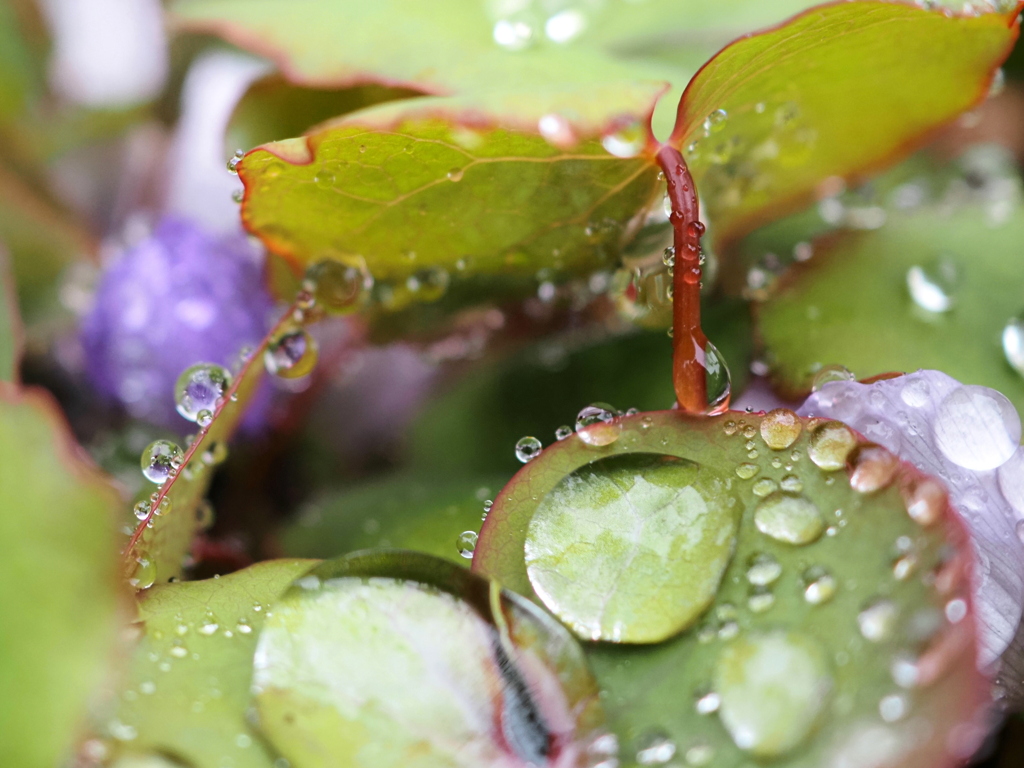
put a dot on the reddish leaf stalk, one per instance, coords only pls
(232, 390)
(688, 340)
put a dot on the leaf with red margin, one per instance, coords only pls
(59, 586)
(840, 90)
(653, 687)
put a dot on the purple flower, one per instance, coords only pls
(179, 297)
(969, 436)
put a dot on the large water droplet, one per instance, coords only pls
(977, 428)
(830, 445)
(789, 517)
(161, 460)
(1013, 343)
(916, 393)
(773, 688)
(200, 388)
(933, 286)
(144, 575)
(528, 448)
(291, 354)
(718, 380)
(715, 121)
(596, 425)
(780, 428)
(466, 544)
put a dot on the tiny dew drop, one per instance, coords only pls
(142, 509)
(160, 460)
(715, 121)
(528, 448)
(655, 748)
(1013, 343)
(563, 432)
(933, 286)
(235, 160)
(763, 570)
(200, 388)
(455, 174)
(819, 585)
(291, 354)
(466, 544)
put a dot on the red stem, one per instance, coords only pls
(688, 340)
(236, 383)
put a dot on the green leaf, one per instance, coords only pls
(435, 192)
(827, 638)
(186, 689)
(415, 511)
(58, 581)
(11, 332)
(829, 94)
(851, 305)
(395, 659)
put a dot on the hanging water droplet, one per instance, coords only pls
(718, 380)
(819, 585)
(933, 286)
(780, 428)
(200, 388)
(142, 509)
(830, 373)
(161, 460)
(830, 445)
(1013, 343)
(528, 448)
(977, 428)
(626, 141)
(337, 288)
(878, 621)
(715, 121)
(291, 354)
(789, 517)
(144, 575)
(596, 425)
(466, 544)
(655, 748)
(763, 570)
(234, 161)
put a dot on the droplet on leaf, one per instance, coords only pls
(831, 444)
(780, 428)
(528, 448)
(789, 517)
(977, 428)
(200, 388)
(291, 354)
(933, 286)
(161, 460)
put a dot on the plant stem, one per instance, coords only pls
(193, 448)
(688, 340)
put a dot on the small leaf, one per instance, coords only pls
(807, 322)
(59, 591)
(186, 689)
(398, 659)
(425, 194)
(823, 645)
(829, 94)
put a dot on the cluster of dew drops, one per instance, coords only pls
(204, 388)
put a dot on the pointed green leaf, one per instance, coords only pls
(851, 303)
(839, 626)
(59, 585)
(841, 90)
(186, 690)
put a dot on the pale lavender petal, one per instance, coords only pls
(967, 436)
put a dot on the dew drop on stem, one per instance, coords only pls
(200, 389)
(161, 460)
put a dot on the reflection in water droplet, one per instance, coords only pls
(789, 517)
(878, 621)
(977, 428)
(1013, 343)
(830, 445)
(819, 585)
(528, 448)
(563, 432)
(200, 388)
(780, 429)
(160, 460)
(291, 354)
(596, 425)
(773, 688)
(466, 544)
(933, 286)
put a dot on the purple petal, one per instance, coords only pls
(969, 437)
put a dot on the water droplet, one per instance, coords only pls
(789, 517)
(933, 286)
(760, 600)
(1011, 481)
(466, 544)
(291, 354)
(700, 755)
(819, 585)
(596, 425)
(238, 195)
(528, 448)
(200, 388)
(161, 460)
(708, 703)
(715, 121)
(926, 500)
(904, 567)
(764, 486)
(563, 432)
(557, 131)
(998, 83)
(655, 748)
(243, 627)
(513, 35)
(773, 688)
(878, 621)
(718, 380)
(830, 373)
(830, 445)
(144, 575)
(235, 160)
(1013, 343)
(873, 468)
(763, 570)
(337, 288)
(565, 26)
(977, 428)
(791, 483)
(626, 141)
(780, 429)
(916, 393)
(215, 452)
(747, 471)
(455, 174)
(142, 509)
